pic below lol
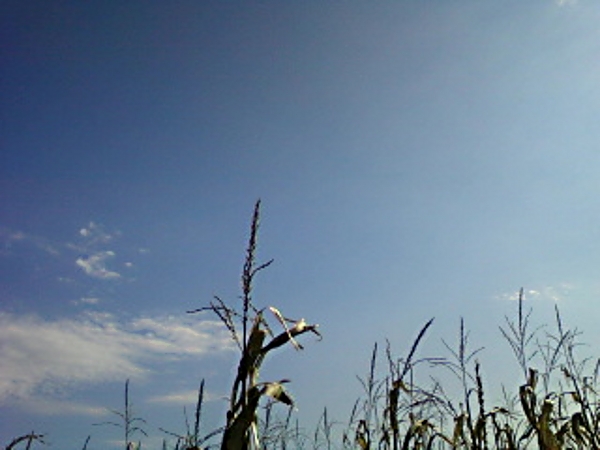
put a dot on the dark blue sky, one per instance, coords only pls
(414, 160)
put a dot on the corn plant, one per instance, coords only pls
(193, 439)
(27, 439)
(254, 337)
(128, 422)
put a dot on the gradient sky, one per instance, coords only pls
(414, 159)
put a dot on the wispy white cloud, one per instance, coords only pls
(57, 407)
(39, 358)
(93, 241)
(94, 234)
(90, 251)
(87, 301)
(189, 397)
(556, 294)
(12, 238)
(95, 265)
(566, 2)
(178, 337)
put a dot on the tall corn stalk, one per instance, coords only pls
(255, 340)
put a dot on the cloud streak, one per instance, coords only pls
(95, 234)
(12, 238)
(555, 294)
(39, 358)
(178, 398)
(95, 265)
(566, 2)
(92, 258)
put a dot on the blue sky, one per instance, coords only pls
(414, 159)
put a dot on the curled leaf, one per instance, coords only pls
(276, 390)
